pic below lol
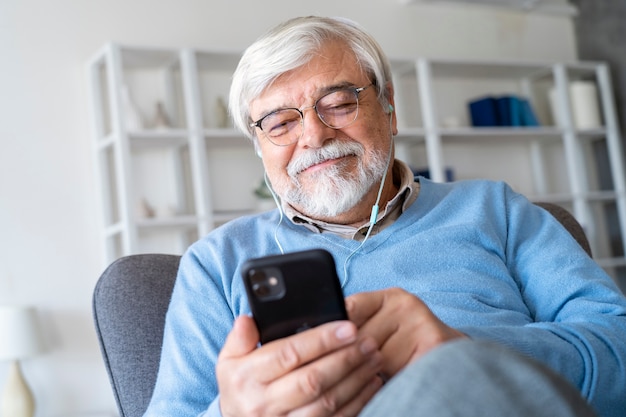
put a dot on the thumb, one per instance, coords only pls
(242, 339)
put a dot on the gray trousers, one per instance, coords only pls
(470, 378)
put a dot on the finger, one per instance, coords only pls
(330, 382)
(349, 396)
(397, 353)
(232, 373)
(284, 355)
(356, 405)
(405, 329)
(362, 306)
(242, 339)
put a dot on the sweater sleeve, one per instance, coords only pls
(197, 322)
(579, 314)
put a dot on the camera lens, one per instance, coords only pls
(261, 289)
(256, 276)
(266, 283)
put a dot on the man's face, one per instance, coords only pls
(338, 169)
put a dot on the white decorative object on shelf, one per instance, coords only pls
(134, 120)
(451, 122)
(145, 210)
(221, 113)
(584, 105)
(161, 119)
(585, 108)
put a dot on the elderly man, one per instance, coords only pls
(463, 298)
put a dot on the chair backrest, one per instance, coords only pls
(129, 305)
(569, 222)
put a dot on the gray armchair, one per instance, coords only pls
(129, 305)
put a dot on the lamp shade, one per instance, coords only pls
(20, 336)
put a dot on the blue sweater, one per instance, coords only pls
(482, 257)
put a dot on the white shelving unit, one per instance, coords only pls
(198, 173)
(558, 165)
(157, 185)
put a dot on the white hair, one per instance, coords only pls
(291, 45)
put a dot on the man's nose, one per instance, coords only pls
(314, 131)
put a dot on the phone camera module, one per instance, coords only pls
(266, 285)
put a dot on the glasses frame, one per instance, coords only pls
(355, 90)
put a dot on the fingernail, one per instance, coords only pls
(367, 346)
(345, 331)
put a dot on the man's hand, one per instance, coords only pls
(403, 326)
(319, 372)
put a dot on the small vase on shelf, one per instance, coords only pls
(161, 119)
(145, 210)
(221, 113)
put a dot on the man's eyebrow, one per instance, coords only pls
(321, 92)
(335, 87)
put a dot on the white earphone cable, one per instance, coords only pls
(280, 210)
(375, 208)
(373, 215)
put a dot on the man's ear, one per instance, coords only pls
(392, 109)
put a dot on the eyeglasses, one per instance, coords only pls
(337, 109)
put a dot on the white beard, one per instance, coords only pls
(331, 192)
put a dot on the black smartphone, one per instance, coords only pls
(293, 292)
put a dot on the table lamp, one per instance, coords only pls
(20, 338)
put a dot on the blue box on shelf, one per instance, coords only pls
(506, 110)
(483, 112)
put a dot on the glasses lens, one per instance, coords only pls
(339, 108)
(282, 127)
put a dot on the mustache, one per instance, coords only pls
(330, 150)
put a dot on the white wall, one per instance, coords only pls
(49, 241)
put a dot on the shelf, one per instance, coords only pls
(555, 198)
(113, 229)
(158, 138)
(466, 134)
(500, 133)
(612, 262)
(416, 135)
(567, 198)
(221, 138)
(592, 134)
(410, 135)
(601, 196)
(189, 221)
(106, 142)
(451, 68)
(492, 69)
(168, 222)
(217, 138)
